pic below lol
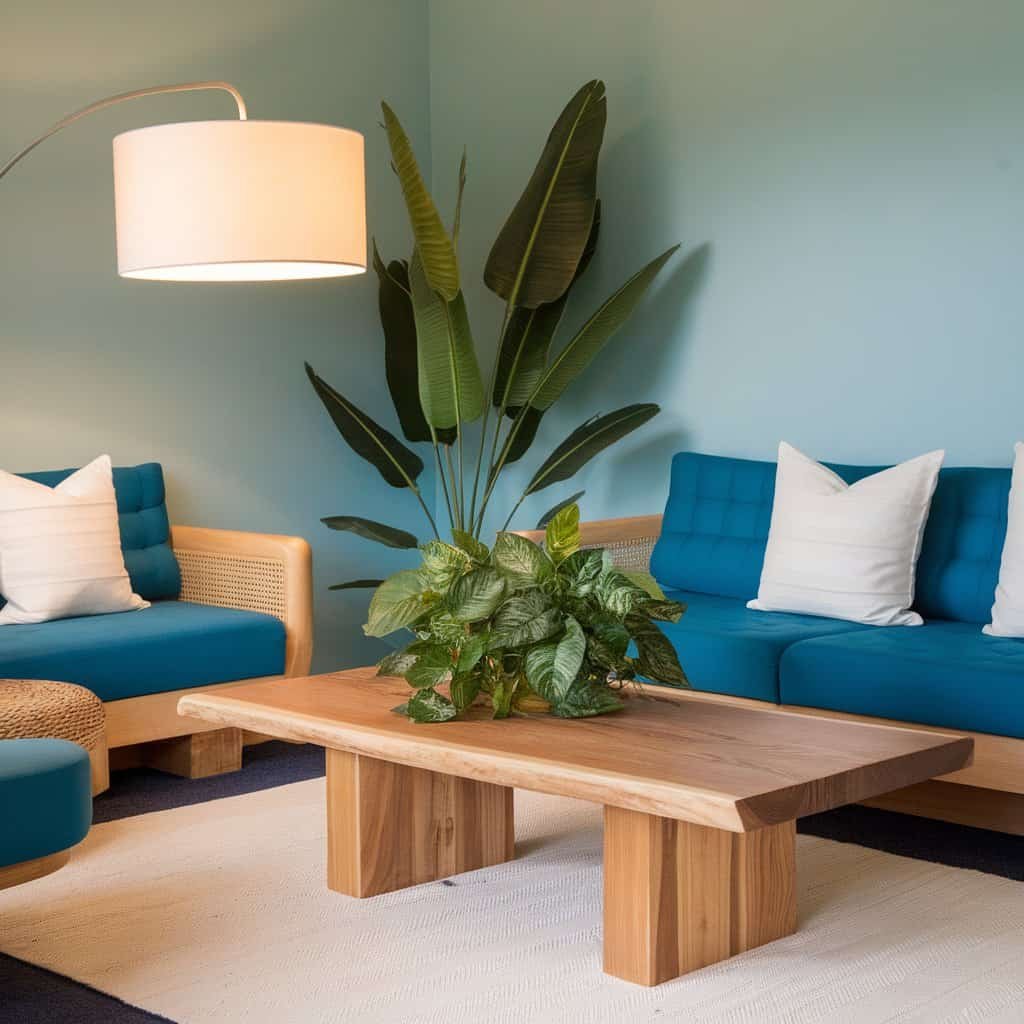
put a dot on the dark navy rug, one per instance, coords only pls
(32, 995)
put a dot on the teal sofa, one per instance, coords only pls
(226, 606)
(46, 801)
(707, 551)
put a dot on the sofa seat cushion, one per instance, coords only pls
(942, 673)
(46, 796)
(726, 648)
(168, 646)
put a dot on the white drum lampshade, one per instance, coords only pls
(239, 201)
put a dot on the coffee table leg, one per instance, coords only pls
(390, 826)
(679, 896)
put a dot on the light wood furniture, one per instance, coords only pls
(40, 708)
(30, 870)
(988, 794)
(700, 799)
(253, 571)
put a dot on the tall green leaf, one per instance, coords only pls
(397, 464)
(449, 378)
(572, 360)
(555, 509)
(399, 325)
(523, 354)
(525, 436)
(538, 250)
(390, 536)
(356, 585)
(399, 601)
(438, 253)
(587, 440)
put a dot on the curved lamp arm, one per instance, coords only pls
(120, 98)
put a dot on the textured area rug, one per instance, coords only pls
(218, 912)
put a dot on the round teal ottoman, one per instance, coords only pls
(45, 806)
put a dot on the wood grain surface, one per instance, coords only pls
(720, 765)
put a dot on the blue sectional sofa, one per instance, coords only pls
(226, 606)
(708, 550)
(46, 796)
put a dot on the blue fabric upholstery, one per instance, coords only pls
(145, 533)
(726, 648)
(719, 509)
(963, 545)
(169, 646)
(45, 798)
(941, 673)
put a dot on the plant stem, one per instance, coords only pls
(522, 498)
(496, 469)
(423, 505)
(457, 517)
(444, 479)
(487, 418)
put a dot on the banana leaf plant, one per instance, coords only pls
(434, 378)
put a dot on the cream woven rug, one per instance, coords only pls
(219, 913)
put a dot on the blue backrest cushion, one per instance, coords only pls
(963, 545)
(145, 530)
(719, 510)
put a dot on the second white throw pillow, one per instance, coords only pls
(846, 551)
(1008, 611)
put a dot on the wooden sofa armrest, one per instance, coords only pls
(260, 572)
(630, 540)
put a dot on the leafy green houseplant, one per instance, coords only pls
(518, 622)
(523, 626)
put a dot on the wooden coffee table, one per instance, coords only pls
(701, 800)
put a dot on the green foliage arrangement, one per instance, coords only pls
(560, 624)
(523, 627)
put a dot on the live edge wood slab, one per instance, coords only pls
(701, 800)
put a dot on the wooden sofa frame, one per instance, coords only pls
(988, 794)
(253, 571)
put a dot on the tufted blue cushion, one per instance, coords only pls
(46, 798)
(145, 533)
(942, 673)
(169, 646)
(963, 545)
(719, 509)
(726, 648)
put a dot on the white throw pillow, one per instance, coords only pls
(60, 548)
(1008, 611)
(846, 551)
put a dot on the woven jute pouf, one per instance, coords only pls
(36, 708)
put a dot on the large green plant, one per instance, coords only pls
(571, 609)
(430, 358)
(524, 626)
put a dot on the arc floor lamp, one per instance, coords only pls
(233, 200)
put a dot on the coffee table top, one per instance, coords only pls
(722, 765)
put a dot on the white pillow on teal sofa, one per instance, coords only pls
(1008, 611)
(846, 551)
(60, 548)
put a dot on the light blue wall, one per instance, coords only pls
(854, 172)
(207, 379)
(855, 169)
